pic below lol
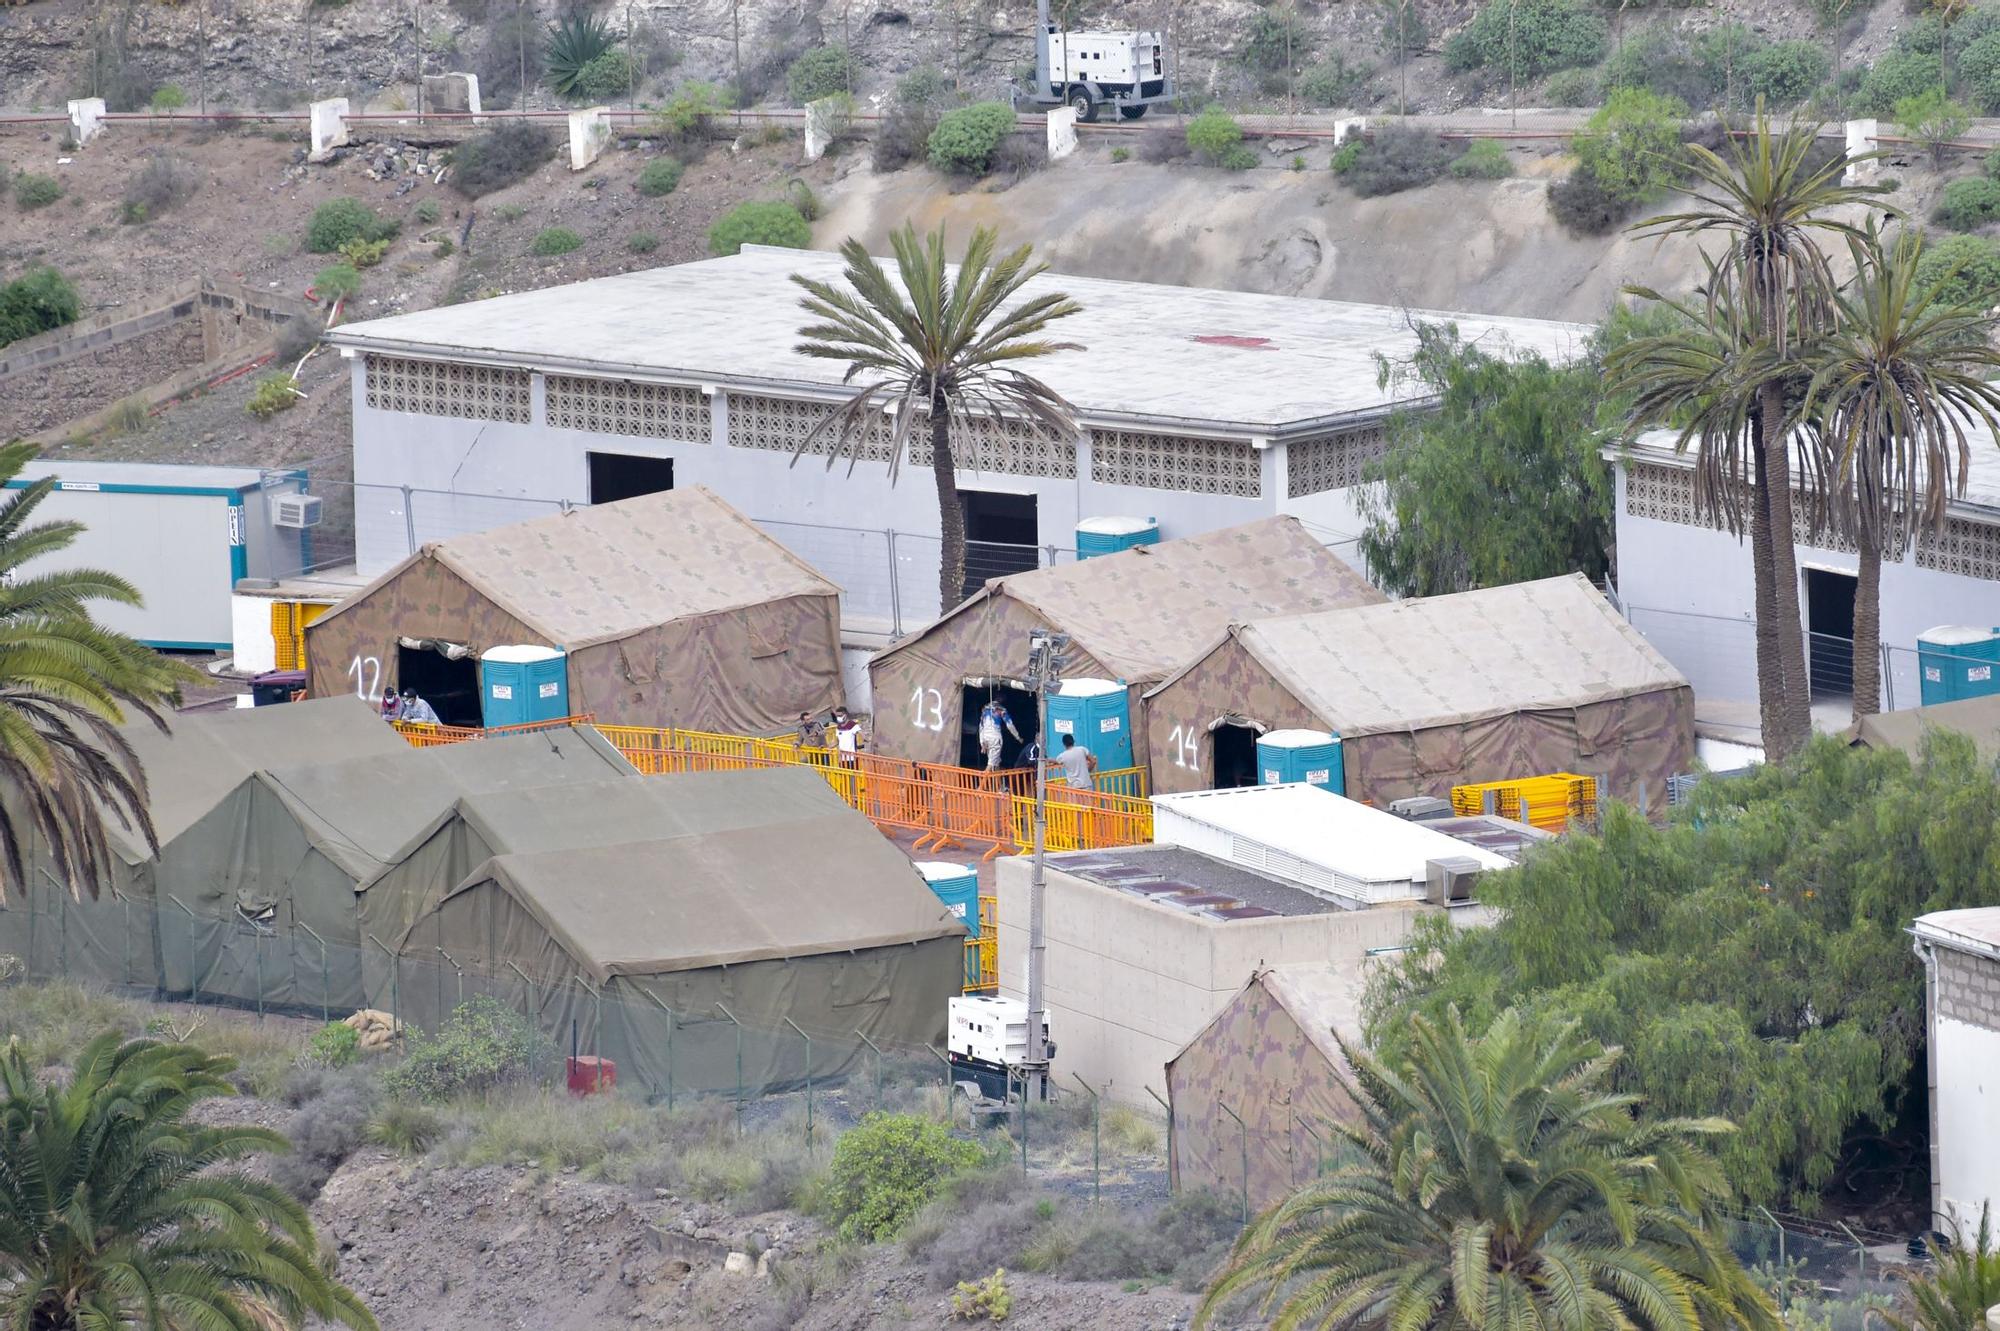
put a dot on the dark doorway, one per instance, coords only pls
(450, 687)
(1002, 532)
(1020, 706)
(1830, 632)
(616, 476)
(1235, 756)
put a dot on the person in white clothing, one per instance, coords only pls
(847, 737)
(418, 711)
(992, 718)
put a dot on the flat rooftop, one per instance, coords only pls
(1171, 876)
(1231, 361)
(1976, 929)
(149, 475)
(1981, 497)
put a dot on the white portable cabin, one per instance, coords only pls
(1328, 844)
(182, 535)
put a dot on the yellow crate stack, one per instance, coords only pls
(1553, 800)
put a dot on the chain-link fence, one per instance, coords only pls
(888, 579)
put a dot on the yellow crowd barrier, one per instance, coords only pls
(1553, 801)
(958, 808)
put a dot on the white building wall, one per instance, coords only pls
(1967, 1119)
(1689, 590)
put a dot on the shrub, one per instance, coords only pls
(36, 301)
(36, 191)
(1978, 71)
(659, 177)
(444, 249)
(1968, 203)
(405, 1128)
(983, 1300)
(1240, 157)
(924, 86)
(966, 138)
(163, 182)
(610, 75)
(337, 281)
(1395, 159)
(127, 416)
(1121, 154)
(1582, 204)
(1632, 146)
(1277, 36)
(1933, 120)
(338, 221)
(327, 1128)
(553, 241)
(1895, 76)
(168, 97)
(274, 393)
(685, 117)
(482, 1044)
(1661, 59)
(886, 1169)
(296, 336)
(1967, 267)
(1546, 35)
(573, 42)
(511, 151)
(1571, 87)
(1213, 133)
(334, 1045)
(1484, 160)
(1346, 155)
(1331, 82)
(642, 242)
(820, 72)
(1785, 73)
(428, 211)
(1163, 145)
(364, 253)
(759, 223)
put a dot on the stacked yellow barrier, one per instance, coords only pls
(1553, 801)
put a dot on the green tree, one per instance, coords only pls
(1510, 435)
(1498, 1182)
(1965, 270)
(1767, 203)
(65, 687)
(1933, 119)
(1900, 373)
(766, 222)
(1748, 957)
(1632, 146)
(943, 350)
(36, 301)
(1956, 1293)
(116, 1211)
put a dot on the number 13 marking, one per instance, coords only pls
(924, 700)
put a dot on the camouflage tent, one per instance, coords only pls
(1426, 694)
(674, 609)
(1134, 616)
(651, 952)
(250, 892)
(108, 935)
(1269, 1058)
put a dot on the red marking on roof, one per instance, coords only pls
(1236, 340)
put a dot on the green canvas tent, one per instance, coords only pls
(108, 937)
(257, 897)
(1976, 718)
(645, 951)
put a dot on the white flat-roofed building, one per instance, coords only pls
(1202, 409)
(1961, 954)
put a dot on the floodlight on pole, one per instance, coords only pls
(1045, 665)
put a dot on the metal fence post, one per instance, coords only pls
(257, 959)
(1170, 1135)
(409, 522)
(1096, 1192)
(126, 902)
(325, 975)
(739, 1064)
(1784, 1277)
(534, 1009)
(1319, 1145)
(1888, 678)
(194, 977)
(670, 1044)
(1860, 1248)
(456, 968)
(895, 584)
(809, 1082)
(1243, 1134)
(395, 979)
(950, 1091)
(878, 1065)
(1024, 1118)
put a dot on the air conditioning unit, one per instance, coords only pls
(295, 511)
(1421, 808)
(1449, 880)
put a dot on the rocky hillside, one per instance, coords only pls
(269, 54)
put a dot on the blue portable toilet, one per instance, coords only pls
(1099, 713)
(1107, 536)
(520, 685)
(1955, 662)
(1311, 756)
(957, 886)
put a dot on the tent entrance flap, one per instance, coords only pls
(1020, 706)
(1234, 741)
(449, 683)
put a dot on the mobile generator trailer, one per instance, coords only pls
(1092, 70)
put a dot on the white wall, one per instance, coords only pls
(252, 648)
(1967, 1118)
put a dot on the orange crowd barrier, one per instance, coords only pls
(960, 808)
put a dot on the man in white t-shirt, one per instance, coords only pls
(847, 737)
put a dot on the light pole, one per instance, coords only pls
(1045, 663)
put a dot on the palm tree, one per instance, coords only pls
(1495, 1185)
(1958, 1291)
(1768, 201)
(1897, 377)
(64, 685)
(942, 349)
(116, 1212)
